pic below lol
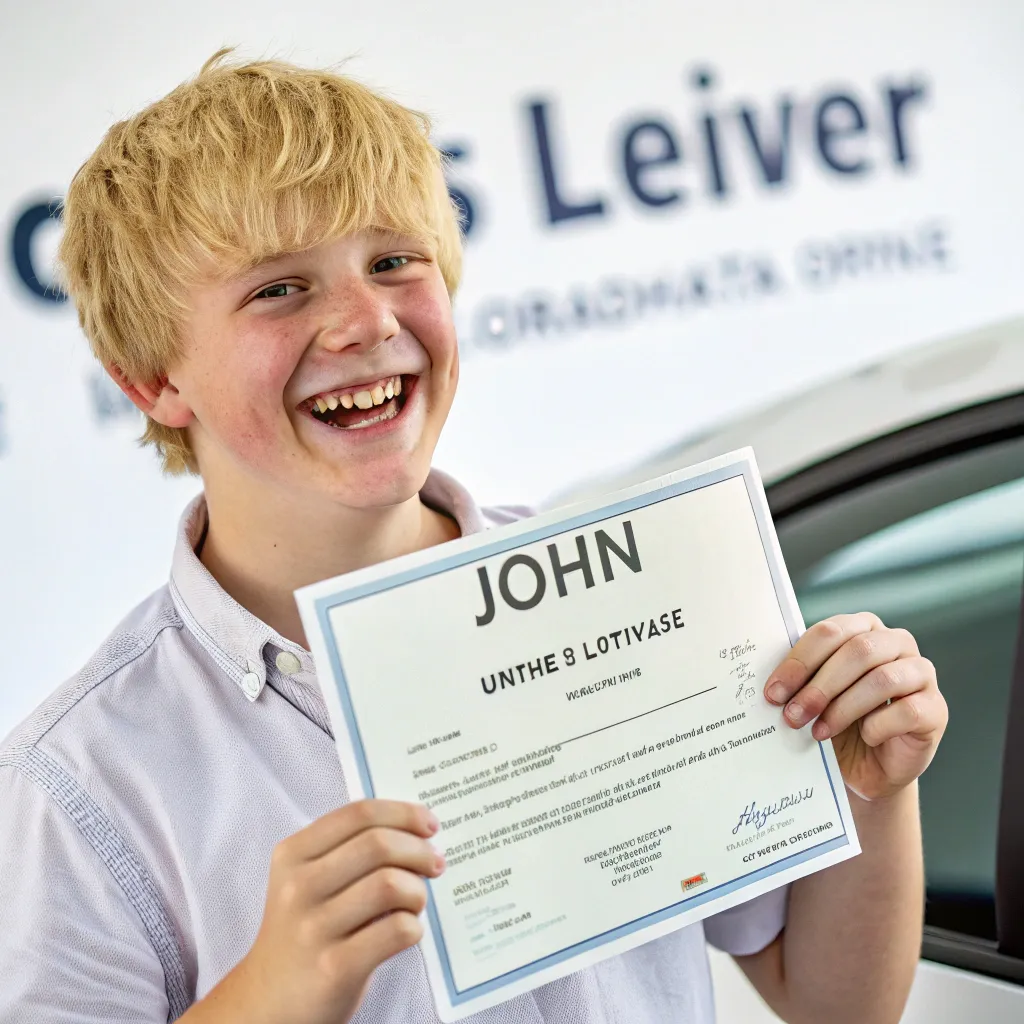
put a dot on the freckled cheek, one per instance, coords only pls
(263, 365)
(429, 317)
(245, 410)
(246, 431)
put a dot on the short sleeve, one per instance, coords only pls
(73, 948)
(749, 927)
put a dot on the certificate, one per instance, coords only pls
(578, 697)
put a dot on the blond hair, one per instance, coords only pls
(242, 163)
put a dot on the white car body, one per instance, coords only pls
(803, 429)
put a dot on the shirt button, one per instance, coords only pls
(251, 684)
(288, 663)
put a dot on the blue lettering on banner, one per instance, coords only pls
(660, 164)
(837, 136)
(728, 280)
(558, 206)
(636, 163)
(109, 402)
(464, 203)
(27, 225)
(840, 118)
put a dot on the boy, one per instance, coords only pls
(264, 261)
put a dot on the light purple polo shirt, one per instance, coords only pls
(141, 802)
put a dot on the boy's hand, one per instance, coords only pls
(843, 671)
(344, 895)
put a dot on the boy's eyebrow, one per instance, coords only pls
(249, 275)
(389, 236)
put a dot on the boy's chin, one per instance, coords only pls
(382, 489)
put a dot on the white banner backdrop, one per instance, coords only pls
(678, 212)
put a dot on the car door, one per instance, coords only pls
(925, 527)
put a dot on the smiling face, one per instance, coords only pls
(326, 374)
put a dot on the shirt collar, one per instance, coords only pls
(234, 637)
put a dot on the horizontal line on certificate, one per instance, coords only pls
(582, 735)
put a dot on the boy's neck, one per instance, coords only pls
(261, 554)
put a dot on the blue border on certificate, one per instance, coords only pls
(324, 606)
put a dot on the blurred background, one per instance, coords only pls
(690, 227)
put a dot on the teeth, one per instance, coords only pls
(361, 399)
(385, 414)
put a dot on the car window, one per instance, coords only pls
(939, 551)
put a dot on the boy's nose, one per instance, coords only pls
(357, 319)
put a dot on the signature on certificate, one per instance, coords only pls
(758, 816)
(741, 671)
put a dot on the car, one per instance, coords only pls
(899, 489)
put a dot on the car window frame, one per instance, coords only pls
(919, 444)
(1010, 840)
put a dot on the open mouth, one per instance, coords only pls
(362, 406)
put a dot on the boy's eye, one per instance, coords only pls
(275, 291)
(389, 263)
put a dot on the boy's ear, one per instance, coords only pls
(158, 399)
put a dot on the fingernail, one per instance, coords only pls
(794, 712)
(820, 731)
(432, 822)
(776, 692)
(439, 863)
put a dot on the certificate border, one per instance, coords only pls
(322, 599)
